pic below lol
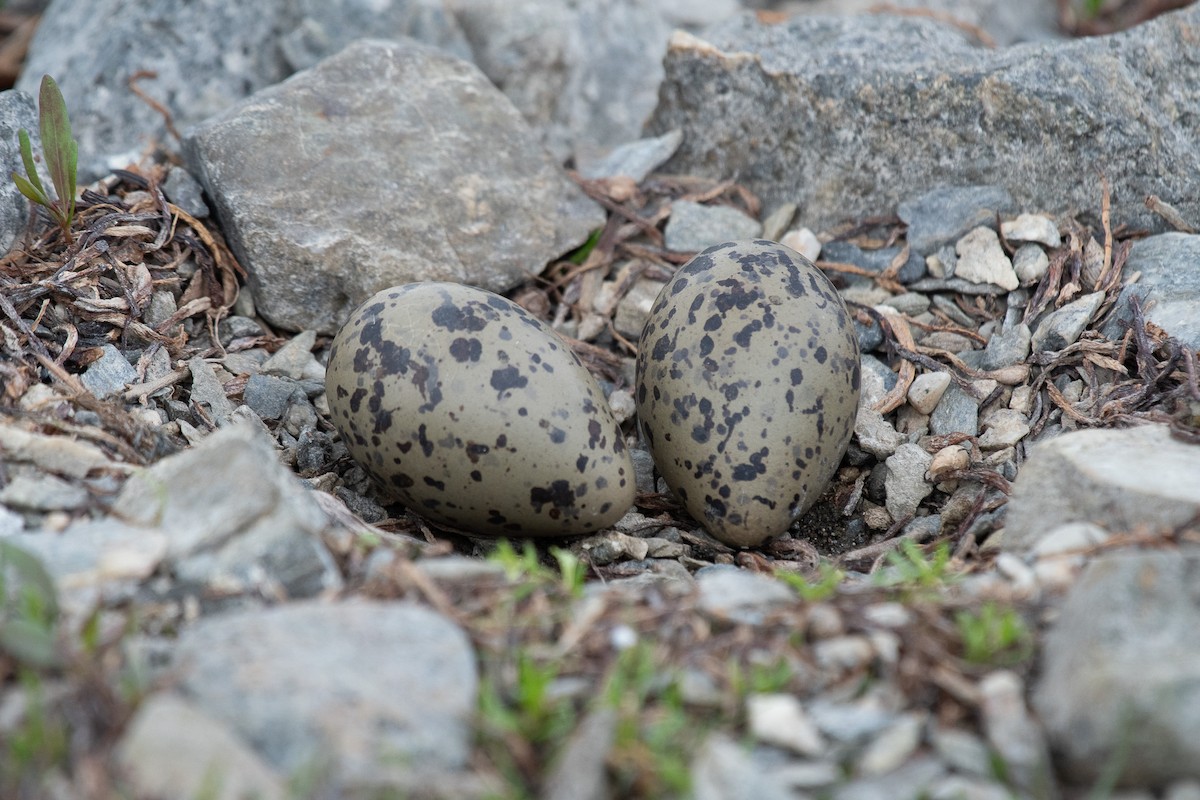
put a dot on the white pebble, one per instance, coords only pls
(804, 242)
(981, 259)
(1032, 228)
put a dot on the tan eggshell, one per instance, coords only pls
(747, 387)
(476, 414)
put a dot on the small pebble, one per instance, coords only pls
(1031, 228)
(1030, 262)
(927, 390)
(693, 227)
(779, 719)
(981, 259)
(804, 242)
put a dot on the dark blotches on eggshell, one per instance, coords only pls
(762, 397)
(453, 383)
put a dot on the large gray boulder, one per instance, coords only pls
(849, 116)
(17, 111)
(1169, 287)
(197, 57)
(584, 73)
(388, 163)
(1119, 689)
(338, 691)
(1122, 480)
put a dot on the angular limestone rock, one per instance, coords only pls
(849, 116)
(388, 163)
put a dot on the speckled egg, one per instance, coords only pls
(747, 387)
(475, 414)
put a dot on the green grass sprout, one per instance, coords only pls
(61, 154)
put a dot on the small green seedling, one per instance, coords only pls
(61, 154)
(994, 635)
(821, 587)
(908, 566)
(28, 608)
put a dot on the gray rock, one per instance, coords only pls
(269, 396)
(693, 226)
(207, 391)
(874, 260)
(723, 770)
(295, 359)
(1030, 262)
(893, 747)
(956, 412)
(27, 492)
(1062, 327)
(1014, 734)
(96, 559)
(1118, 687)
(1003, 427)
(877, 380)
(1023, 118)
(186, 192)
(206, 56)
(726, 591)
(911, 780)
(584, 74)
(874, 433)
(109, 374)
(235, 518)
(634, 308)
(1008, 347)
(634, 160)
(415, 169)
(58, 454)
(1007, 22)
(322, 28)
(1118, 479)
(17, 111)
(961, 751)
(340, 689)
(581, 772)
(905, 480)
(172, 749)
(1169, 289)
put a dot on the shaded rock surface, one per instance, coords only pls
(847, 116)
(1118, 479)
(1120, 683)
(342, 688)
(1169, 289)
(416, 168)
(17, 111)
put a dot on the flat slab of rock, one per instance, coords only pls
(849, 116)
(1117, 479)
(414, 167)
(343, 688)
(1120, 671)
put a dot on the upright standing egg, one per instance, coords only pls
(474, 413)
(747, 387)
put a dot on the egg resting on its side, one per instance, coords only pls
(747, 387)
(475, 414)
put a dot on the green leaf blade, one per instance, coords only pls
(57, 144)
(31, 166)
(29, 190)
